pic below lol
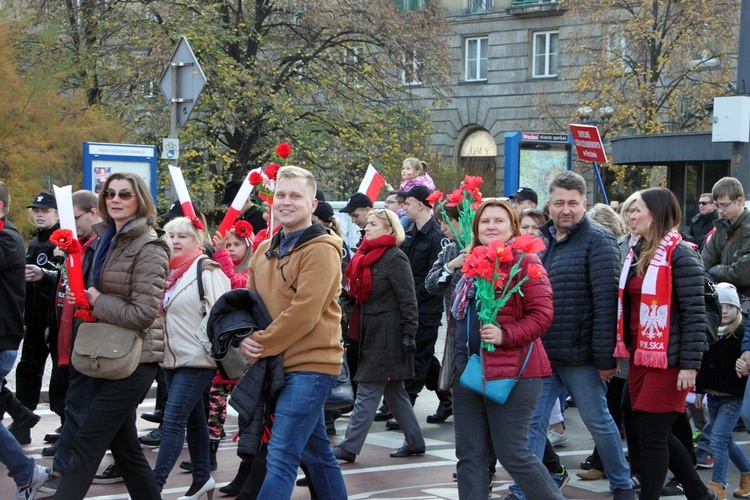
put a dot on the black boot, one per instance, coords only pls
(23, 418)
(383, 413)
(444, 409)
(213, 447)
(233, 488)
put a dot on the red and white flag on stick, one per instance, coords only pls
(184, 196)
(372, 183)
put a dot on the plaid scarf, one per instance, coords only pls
(655, 307)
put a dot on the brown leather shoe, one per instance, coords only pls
(592, 475)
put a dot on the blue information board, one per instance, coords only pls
(100, 160)
(532, 159)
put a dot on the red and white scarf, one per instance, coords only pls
(655, 308)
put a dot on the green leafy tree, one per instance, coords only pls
(343, 82)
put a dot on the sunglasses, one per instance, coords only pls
(124, 195)
(704, 203)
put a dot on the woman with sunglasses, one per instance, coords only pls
(384, 321)
(126, 286)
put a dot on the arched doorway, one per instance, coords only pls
(478, 156)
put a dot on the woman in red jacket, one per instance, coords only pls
(479, 421)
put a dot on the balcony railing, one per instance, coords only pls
(476, 6)
(531, 8)
(515, 3)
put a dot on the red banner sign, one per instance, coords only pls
(588, 143)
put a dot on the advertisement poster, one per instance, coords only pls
(537, 167)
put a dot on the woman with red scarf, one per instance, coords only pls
(384, 321)
(662, 324)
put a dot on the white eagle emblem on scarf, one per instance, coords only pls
(654, 320)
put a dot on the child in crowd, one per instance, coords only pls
(719, 378)
(413, 173)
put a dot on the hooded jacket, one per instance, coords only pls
(301, 291)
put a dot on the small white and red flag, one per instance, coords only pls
(372, 183)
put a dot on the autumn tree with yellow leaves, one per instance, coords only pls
(656, 63)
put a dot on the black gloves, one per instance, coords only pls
(408, 343)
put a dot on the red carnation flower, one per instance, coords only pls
(271, 170)
(435, 197)
(455, 198)
(243, 229)
(535, 271)
(472, 182)
(197, 223)
(283, 150)
(527, 243)
(65, 241)
(85, 315)
(255, 178)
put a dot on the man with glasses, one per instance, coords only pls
(726, 253)
(702, 223)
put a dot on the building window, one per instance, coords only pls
(404, 5)
(480, 6)
(410, 73)
(545, 52)
(476, 58)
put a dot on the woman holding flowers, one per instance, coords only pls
(502, 266)
(662, 323)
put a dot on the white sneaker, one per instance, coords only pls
(557, 439)
(38, 478)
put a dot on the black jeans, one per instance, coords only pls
(30, 369)
(111, 423)
(660, 450)
(427, 334)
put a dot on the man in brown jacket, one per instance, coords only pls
(298, 275)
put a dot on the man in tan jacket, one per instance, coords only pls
(298, 275)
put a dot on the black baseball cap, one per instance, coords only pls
(324, 211)
(420, 193)
(44, 200)
(358, 200)
(175, 210)
(525, 194)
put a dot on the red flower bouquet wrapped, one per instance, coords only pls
(492, 285)
(467, 198)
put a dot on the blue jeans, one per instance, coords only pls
(184, 412)
(746, 407)
(590, 394)
(20, 467)
(299, 435)
(723, 414)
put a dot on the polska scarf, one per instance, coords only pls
(358, 274)
(179, 265)
(655, 307)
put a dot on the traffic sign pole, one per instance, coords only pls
(601, 184)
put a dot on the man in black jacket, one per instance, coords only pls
(703, 221)
(27, 476)
(583, 263)
(424, 241)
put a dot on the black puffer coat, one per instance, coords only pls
(584, 268)
(717, 369)
(687, 321)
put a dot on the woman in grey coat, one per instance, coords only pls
(384, 319)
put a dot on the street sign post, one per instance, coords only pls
(182, 83)
(588, 144)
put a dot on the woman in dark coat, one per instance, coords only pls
(663, 319)
(385, 319)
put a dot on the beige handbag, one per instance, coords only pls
(103, 350)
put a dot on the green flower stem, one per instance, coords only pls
(447, 219)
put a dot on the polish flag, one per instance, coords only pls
(372, 183)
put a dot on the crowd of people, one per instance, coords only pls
(642, 324)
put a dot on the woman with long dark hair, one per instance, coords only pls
(127, 276)
(663, 321)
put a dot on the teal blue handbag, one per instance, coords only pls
(496, 391)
